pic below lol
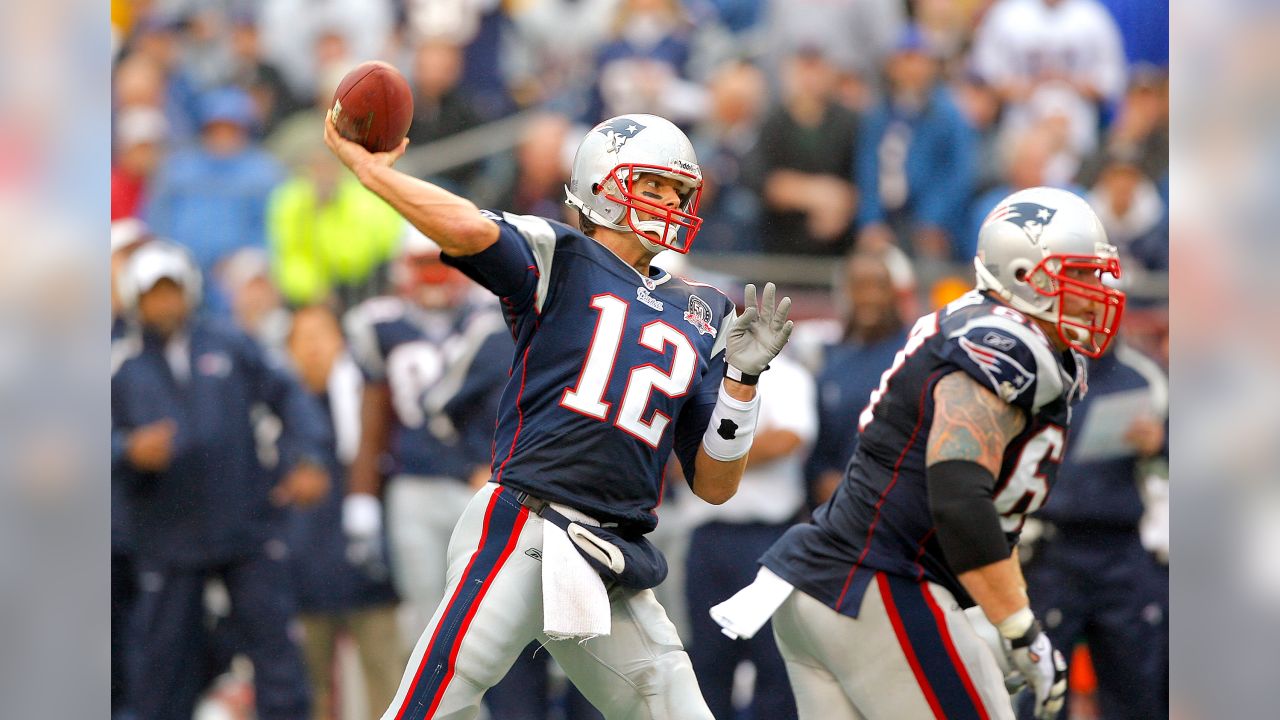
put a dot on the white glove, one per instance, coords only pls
(758, 334)
(1013, 680)
(362, 524)
(1033, 655)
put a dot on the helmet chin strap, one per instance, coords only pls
(658, 227)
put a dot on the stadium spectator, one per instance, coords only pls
(851, 367)
(981, 107)
(481, 29)
(1091, 536)
(725, 140)
(854, 35)
(644, 66)
(212, 197)
(804, 162)
(335, 596)
(141, 133)
(329, 238)
(1130, 207)
(1140, 130)
(201, 504)
(127, 235)
(250, 70)
(440, 109)
(728, 539)
(1064, 52)
(539, 169)
(291, 30)
(1028, 161)
(548, 65)
(156, 41)
(256, 305)
(916, 159)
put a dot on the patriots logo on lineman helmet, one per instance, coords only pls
(619, 131)
(1030, 217)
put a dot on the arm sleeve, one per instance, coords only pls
(960, 501)
(517, 267)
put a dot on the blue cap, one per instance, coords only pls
(914, 40)
(227, 104)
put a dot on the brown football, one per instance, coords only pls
(373, 106)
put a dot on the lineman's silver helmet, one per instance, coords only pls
(609, 159)
(1026, 246)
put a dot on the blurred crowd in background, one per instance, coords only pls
(851, 149)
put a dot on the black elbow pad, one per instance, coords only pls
(968, 526)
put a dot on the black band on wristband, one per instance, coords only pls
(968, 525)
(1027, 637)
(737, 375)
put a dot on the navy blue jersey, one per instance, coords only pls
(425, 357)
(879, 518)
(850, 371)
(612, 369)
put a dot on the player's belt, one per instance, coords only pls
(536, 505)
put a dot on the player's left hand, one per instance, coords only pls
(1044, 669)
(1146, 436)
(759, 333)
(305, 485)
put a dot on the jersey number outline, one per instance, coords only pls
(412, 368)
(586, 397)
(925, 328)
(1028, 485)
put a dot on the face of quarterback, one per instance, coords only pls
(659, 189)
(163, 309)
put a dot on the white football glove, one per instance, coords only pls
(1013, 680)
(758, 334)
(1039, 663)
(362, 524)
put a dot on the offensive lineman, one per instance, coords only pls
(617, 363)
(960, 441)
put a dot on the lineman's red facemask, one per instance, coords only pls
(1089, 312)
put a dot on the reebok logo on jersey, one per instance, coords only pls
(1007, 376)
(534, 553)
(998, 341)
(644, 296)
(699, 315)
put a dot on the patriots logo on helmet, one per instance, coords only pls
(619, 131)
(1030, 217)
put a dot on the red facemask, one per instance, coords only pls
(1092, 336)
(687, 218)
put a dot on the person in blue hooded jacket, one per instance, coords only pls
(202, 504)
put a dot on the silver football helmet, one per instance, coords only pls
(1034, 249)
(154, 261)
(609, 159)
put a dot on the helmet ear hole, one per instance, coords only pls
(595, 188)
(1020, 274)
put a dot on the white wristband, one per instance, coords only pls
(1017, 624)
(732, 427)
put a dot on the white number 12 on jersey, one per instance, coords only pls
(587, 397)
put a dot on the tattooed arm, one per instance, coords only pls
(967, 440)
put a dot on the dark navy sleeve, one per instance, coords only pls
(1007, 356)
(517, 267)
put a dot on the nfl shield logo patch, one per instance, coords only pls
(699, 315)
